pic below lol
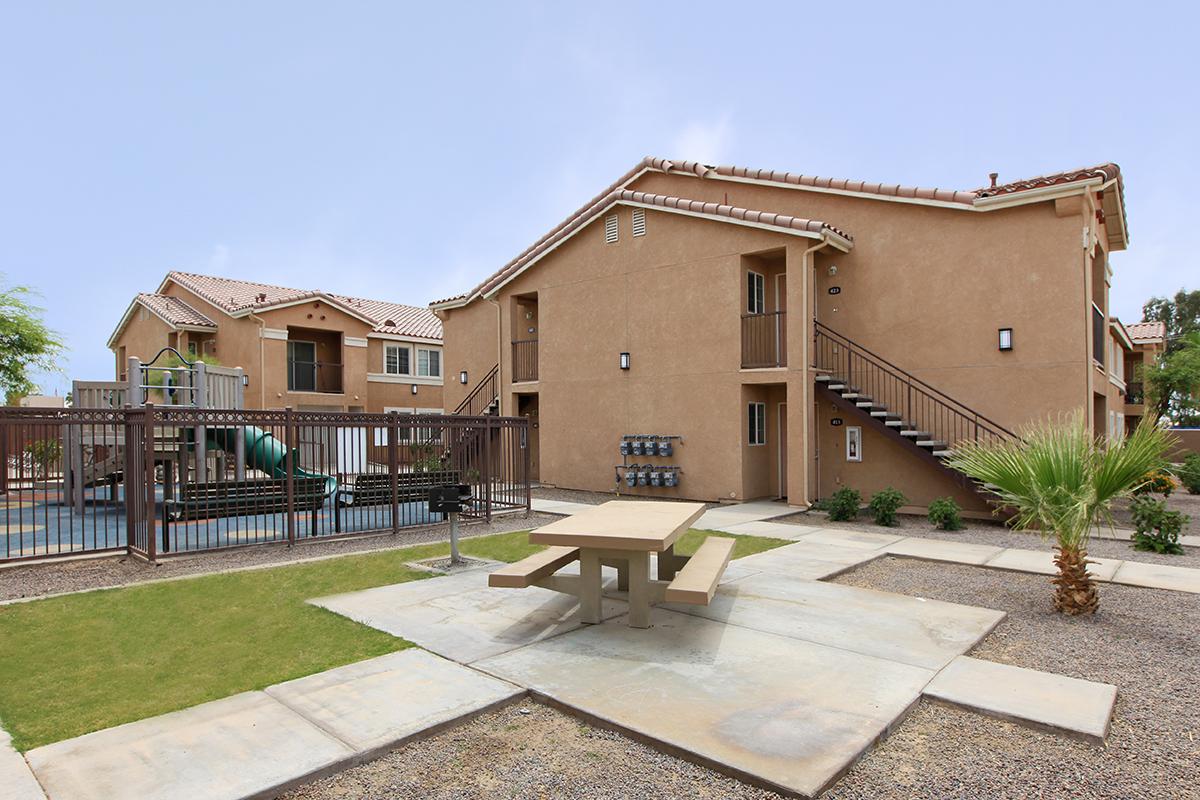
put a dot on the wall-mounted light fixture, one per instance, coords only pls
(624, 360)
(414, 388)
(245, 380)
(833, 269)
(1006, 340)
(462, 377)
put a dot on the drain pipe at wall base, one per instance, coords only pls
(262, 382)
(808, 402)
(499, 356)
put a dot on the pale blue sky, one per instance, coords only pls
(402, 152)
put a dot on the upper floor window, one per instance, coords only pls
(756, 293)
(396, 359)
(429, 363)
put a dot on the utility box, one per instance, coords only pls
(626, 447)
(449, 499)
(670, 478)
(665, 448)
(631, 476)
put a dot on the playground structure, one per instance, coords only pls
(168, 461)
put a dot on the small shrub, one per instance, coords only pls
(1189, 473)
(885, 504)
(1157, 481)
(843, 504)
(945, 514)
(1157, 528)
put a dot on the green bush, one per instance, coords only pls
(1189, 473)
(945, 514)
(1157, 528)
(1156, 481)
(885, 504)
(843, 505)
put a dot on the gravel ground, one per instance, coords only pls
(988, 532)
(1142, 640)
(527, 751)
(51, 577)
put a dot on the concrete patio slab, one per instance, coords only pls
(560, 507)
(246, 745)
(1042, 563)
(459, 617)
(910, 630)
(777, 710)
(859, 540)
(377, 703)
(775, 530)
(941, 550)
(1158, 576)
(811, 561)
(16, 781)
(1080, 707)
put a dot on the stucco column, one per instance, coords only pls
(799, 380)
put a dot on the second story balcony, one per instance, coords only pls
(314, 376)
(524, 360)
(314, 361)
(764, 340)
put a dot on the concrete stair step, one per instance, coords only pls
(934, 443)
(915, 434)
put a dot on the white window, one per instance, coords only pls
(758, 423)
(429, 363)
(610, 228)
(756, 293)
(639, 222)
(396, 359)
(854, 443)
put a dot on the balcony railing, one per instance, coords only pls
(1099, 337)
(525, 360)
(1135, 394)
(314, 376)
(764, 340)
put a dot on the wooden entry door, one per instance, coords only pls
(783, 454)
(527, 406)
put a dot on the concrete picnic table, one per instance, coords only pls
(622, 533)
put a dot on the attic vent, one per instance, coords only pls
(610, 229)
(387, 323)
(639, 222)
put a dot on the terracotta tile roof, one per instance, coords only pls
(235, 296)
(1105, 172)
(698, 169)
(174, 310)
(627, 196)
(1146, 331)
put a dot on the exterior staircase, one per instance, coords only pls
(484, 398)
(896, 402)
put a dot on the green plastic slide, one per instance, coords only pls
(264, 452)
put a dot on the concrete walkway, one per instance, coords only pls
(16, 780)
(256, 744)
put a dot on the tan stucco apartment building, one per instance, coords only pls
(307, 349)
(796, 334)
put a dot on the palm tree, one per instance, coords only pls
(1061, 481)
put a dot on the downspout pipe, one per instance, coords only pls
(499, 355)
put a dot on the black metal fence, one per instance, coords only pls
(158, 481)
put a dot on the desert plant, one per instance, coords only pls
(1156, 481)
(945, 514)
(1189, 473)
(884, 505)
(1157, 528)
(843, 504)
(1059, 480)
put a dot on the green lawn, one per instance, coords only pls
(70, 665)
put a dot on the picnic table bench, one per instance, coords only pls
(622, 534)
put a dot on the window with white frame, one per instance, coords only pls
(429, 363)
(758, 424)
(756, 293)
(397, 359)
(854, 443)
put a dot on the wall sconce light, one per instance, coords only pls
(245, 380)
(833, 269)
(462, 377)
(1006, 339)
(414, 388)
(624, 360)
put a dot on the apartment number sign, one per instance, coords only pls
(836, 421)
(835, 290)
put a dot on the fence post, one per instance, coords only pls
(133, 374)
(487, 466)
(394, 466)
(148, 482)
(289, 438)
(4, 434)
(200, 401)
(528, 466)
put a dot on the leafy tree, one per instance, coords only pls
(26, 344)
(1180, 314)
(1173, 382)
(1061, 481)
